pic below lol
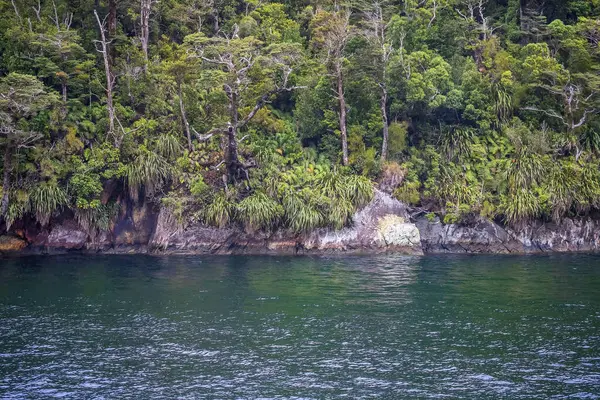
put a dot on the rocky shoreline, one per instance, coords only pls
(384, 225)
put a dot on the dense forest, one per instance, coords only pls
(287, 114)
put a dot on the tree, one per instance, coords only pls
(181, 69)
(376, 26)
(330, 34)
(21, 98)
(145, 12)
(110, 78)
(250, 75)
(62, 44)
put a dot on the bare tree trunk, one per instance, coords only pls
(384, 117)
(232, 159)
(342, 104)
(215, 15)
(109, 79)
(145, 9)
(64, 91)
(63, 108)
(186, 124)
(6, 180)
(112, 28)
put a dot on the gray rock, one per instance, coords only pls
(381, 226)
(482, 236)
(66, 236)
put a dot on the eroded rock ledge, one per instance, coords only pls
(384, 225)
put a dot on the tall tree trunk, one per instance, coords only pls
(145, 9)
(64, 91)
(384, 117)
(231, 152)
(186, 124)
(342, 104)
(215, 16)
(109, 80)
(6, 181)
(112, 28)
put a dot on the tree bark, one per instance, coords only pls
(112, 28)
(342, 104)
(109, 80)
(232, 160)
(145, 9)
(186, 124)
(6, 181)
(384, 117)
(215, 15)
(64, 92)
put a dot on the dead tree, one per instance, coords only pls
(145, 12)
(376, 32)
(110, 77)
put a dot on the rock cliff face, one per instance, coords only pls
(485, 236)
(381, 226)
(384, 225)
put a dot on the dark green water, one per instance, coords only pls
(117, 327)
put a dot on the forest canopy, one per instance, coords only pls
(288, 114)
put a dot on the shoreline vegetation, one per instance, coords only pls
(288, 119)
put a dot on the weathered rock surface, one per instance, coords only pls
(485, 236)
(66, 236)
(384, 225)
(135, 227)
(380, 226)
(11, 244)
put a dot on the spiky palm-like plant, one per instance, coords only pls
(220, 212)
(96, 219)
(168, 147)
(46, 198)
(301, 210)
(520, 206)
(18, 206)
(359, 190)
(525, 169)
(457, 143)
(562, 187)
(503, 102)
(150, 170)
(259, 211)
(339, 213)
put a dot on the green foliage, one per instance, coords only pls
(520, 206)
(220, 212)
(168, 147)
(495, 115)
(302, 211)
(150, 171)
(45, 199)
(96, 218)
(259, 212)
